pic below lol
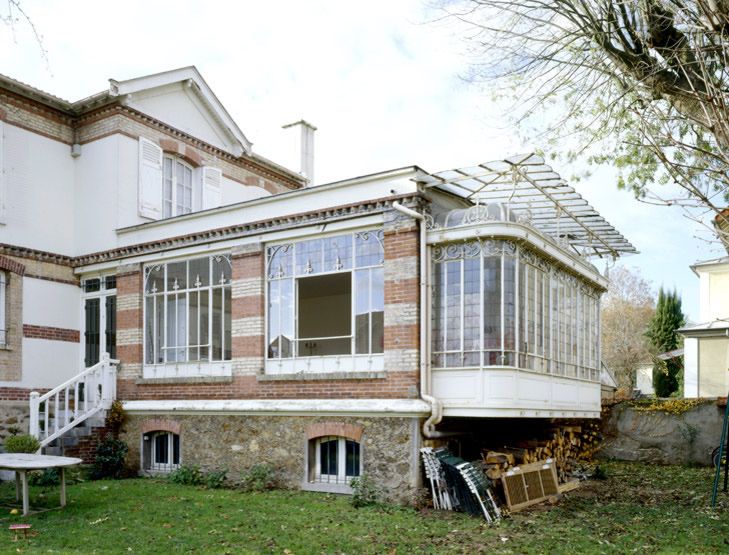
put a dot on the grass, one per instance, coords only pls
(637, 508)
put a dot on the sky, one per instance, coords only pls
(381, 80)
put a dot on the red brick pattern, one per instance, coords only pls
(162, 425)
(397, 385)
(50, 333)
(86, 447)
(321, 429)
(17, 393)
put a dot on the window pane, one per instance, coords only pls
(438, 316)
(175, 449)
(453, 306)
(199, 272)
(509, 303)
(176, 276)
(352, 464)
(110, 282)
(217, 324)
(368, 249)
(287, 318)
(149, 330)
(92, 285)
(308, 257)
(377, 309)
(204, 297)
(274, 319)
(221, 270)
(492, 303)
(92, 333)
(337, 253)
(161, 449)
(472, 304)
(328, 457)
(194, 337)
(227, 351)
(171, 331)
(110, 331)
(362, 311)
(155, 280)
(280, 261)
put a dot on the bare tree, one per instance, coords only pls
(12, 15)
(644, 81)
(627, 309)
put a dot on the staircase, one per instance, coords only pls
(68, 413)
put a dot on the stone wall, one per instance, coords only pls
(13, 415)
(389, 446)
(660, 437)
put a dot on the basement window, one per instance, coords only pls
(326, 299)
(160, 452)
(334, 460)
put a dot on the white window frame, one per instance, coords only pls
(364, 362)
(341, 478)
(3, 309)
(154, 466)
(562, 296)
(102, 295)
(187, 368)
(171, 206)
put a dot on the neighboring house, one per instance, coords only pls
(644, 379)
(706, 345)
(328, 330)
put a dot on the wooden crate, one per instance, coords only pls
(529, 484)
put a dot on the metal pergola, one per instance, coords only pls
(532, 190)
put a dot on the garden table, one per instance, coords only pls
(21, 463)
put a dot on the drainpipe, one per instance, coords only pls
(436, 407)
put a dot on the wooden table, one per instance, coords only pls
(22, 463)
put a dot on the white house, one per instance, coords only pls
(250, 315)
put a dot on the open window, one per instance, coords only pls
(326, 298)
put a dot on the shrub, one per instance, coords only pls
(47, 477)
(259, 477)
(21, 444)
(216, 478)
(109, 462)
(365, 492)
(187, 475)
(116, 417)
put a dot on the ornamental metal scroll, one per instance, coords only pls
(274, 261)
(473, 249)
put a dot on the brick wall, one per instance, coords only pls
(399, 380)
(11, 354)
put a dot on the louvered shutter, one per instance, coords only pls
(150, 179)
(212, 187)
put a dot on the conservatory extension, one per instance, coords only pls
(515, 304)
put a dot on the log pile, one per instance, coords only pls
(566, 444)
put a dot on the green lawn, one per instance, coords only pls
(638, 508)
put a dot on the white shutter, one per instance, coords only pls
(150, 179)
(212, 187)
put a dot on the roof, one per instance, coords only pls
(718, 327)
(668, 355)
(531, 189)
(709, 263)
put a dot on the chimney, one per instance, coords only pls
(302, 133)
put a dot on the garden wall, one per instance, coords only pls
(389, 445)
(665, 432)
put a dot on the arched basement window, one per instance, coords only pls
(496, 303)
(160, 451)
(334, 460)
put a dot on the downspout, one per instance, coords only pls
(436, 407)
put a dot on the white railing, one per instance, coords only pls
(68, 405)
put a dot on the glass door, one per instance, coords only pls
(99, 318)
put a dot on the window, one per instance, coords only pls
(3, 312)
(494, 301)
(99, 332)
(339, 276)
(187, 314)
(177, 190)
(336, 460)
(160, 451)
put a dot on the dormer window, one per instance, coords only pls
(178, 187)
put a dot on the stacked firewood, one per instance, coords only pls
(567, 445)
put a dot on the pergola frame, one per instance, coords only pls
(532, 190)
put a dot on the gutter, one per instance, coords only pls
(436, 406)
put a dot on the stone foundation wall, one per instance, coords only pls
(659, 437)
(389, 446)
(13, 414)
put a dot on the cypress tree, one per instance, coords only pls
(662, 334)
